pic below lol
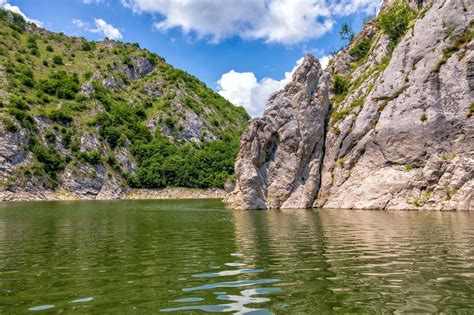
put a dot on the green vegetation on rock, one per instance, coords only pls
(106, 104)
(361, 49)
(394, 22)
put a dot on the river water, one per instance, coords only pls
(197, 256)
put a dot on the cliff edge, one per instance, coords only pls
(388, 125)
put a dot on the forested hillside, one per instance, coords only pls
(90, 119)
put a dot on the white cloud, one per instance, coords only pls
(324, 61)
(243, 88)
(348, 7)
(92, 1)
(106, 29)
(13, 8)
(279, 21)
(79, 23)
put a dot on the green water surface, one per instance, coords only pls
(190, 257)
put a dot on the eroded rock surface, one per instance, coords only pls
(281, 153)
(401, 138)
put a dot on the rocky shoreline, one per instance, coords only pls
(131, 194)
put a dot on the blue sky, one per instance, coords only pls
(241, 48)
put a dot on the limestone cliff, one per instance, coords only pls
(396, 133)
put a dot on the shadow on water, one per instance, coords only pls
(197, 256)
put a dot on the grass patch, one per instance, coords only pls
(409, 167)
(340, 115)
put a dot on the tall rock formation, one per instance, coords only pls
(400, 125)
(281, 153)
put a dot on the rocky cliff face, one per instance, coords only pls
(397, 132)
(281, 154)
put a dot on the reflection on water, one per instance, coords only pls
(197, 256)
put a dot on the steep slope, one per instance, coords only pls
(89, 119)
(281, 153)
(400, 130)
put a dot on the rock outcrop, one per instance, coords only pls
(400, 137)
(281, 153)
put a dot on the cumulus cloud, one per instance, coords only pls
(324, 61)
(276, 21)
(79, 23)
(106, 29)
(243, 88)
(13, 8)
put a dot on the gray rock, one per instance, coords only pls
(87, 88)
(126, 161)
(111, 189)
(84, 181)
(111, 83)
(281, 153)
(153, 89)
(140, 67)
(410, 145)
(192, 127)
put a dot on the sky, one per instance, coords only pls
(243, 49)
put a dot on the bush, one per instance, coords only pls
(58, 60)
(51, 160)
(35, 52)
(340, 85)
(169, 122)
(87, 75)
(26, 76)
(23, 117)
(9, 125)
(49, 48)
(102, 94)
(112, 135)
(88, 46)
(67, 137)
(394, 22)
(127, 61)
(92, 157)
(361, 49)
(18, 103)
(61, 85)
(60, 116)
(50, 136)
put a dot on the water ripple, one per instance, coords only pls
(231, 284)
(227, 273)
(191, 256)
